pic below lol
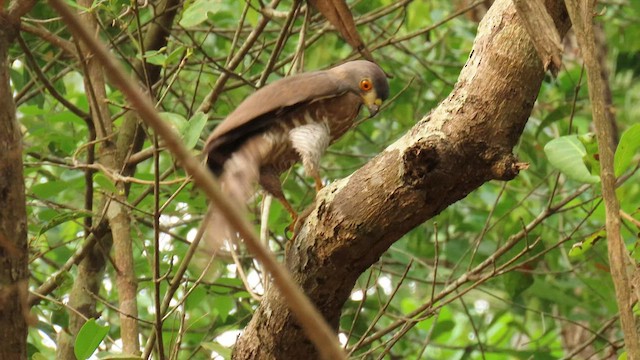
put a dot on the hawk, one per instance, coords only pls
(293, 119)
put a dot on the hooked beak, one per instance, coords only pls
(373, 107)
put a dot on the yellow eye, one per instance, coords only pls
(366, 85)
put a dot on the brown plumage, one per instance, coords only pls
(293, 119)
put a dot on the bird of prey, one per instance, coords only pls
(293, 119)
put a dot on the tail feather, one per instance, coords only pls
(237, 181)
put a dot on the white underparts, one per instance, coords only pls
(310, 141)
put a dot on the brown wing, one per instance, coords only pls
(256, 111)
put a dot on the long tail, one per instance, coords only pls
(237, 181)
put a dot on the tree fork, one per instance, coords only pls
(463, 143)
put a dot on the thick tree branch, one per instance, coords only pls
(17, 9)
(545, 36)
(315, 327)
(466, 141)
(14, 256)
(91, 259)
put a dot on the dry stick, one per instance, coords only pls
(234, 62)
(176, 281)
(543, 32)
(19, 8)
(358, 311)
(31, 62)
(53, 281)
(236, 35)
(264, 239)
(282, 39)
(474, 327)
(53, 39)
(581, 18)
(425, 30)
(156, 246)
(310, 318)
(428, 306)
(117, 216)
(630, 218)
(373, 323)
(591, 340)
(387, 349)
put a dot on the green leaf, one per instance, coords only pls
(46, 328)
(443, 327)
(592, 157)
(61, 218)
(566, 154)
(218, 348)
(193, 129)
(177, 121)
(176, 55)
(515, 282)
(31, 110)
(60, 317)
(500, 328)
(580, 248)
(550, 291)
(627, 148)
(49, 189)
(198, 12)
(89, 338)
(105, 183)
(200, 262)
(118, 356)
(156, 57)
(223, 306)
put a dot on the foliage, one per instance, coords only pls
(89, 338)
(536, 300)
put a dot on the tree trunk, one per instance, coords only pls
(130, 139)
(14, 274)
(463, 143)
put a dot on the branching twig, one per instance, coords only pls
(581, 14)
(313, 323)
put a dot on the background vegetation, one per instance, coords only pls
(549, 297)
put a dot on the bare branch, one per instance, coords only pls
(543, 32)
(581, 13)
(439, 161)
(313, 323)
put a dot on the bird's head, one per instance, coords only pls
(367, 80)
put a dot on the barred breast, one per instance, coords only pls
(307, 133)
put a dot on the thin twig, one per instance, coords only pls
(581, 14)
(310, 318)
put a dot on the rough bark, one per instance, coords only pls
(130, 139)
(466, 141)
(117, 214)
(14, 273)
(87, 282)
(91, 269)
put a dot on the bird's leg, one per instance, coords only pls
(289, 208)
(310, 141)
(312, 169)
(296, 225)
(270, 181)
(318, 181)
